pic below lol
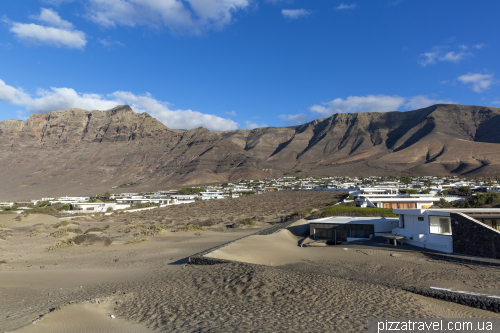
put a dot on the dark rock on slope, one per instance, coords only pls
(77, 151)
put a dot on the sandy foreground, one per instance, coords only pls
(280, 287)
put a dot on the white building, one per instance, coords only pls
(184, 198)
(432, 228)
(98, 207)
(345, 229)
(397, 201)
(212, 195)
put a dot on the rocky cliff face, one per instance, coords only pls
(77, 151)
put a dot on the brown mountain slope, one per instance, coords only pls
(77, 151)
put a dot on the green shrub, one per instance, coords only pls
(357, 211)
(189, 227)
(59, 233)
(191, 190)
(137, 240)
(152, 230)
(60, 244)
(445, 204)
(408, 191)
(209, 222)
(247, 222)
(90, 239)
(62, 224)
(479, 200)
(465, 190)
(93, 230)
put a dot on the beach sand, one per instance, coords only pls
(84, 318)
(280, 288)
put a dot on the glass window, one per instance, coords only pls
(402, 221)
(439, 225)
(420, 218)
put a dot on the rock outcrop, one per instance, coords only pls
(77, 151)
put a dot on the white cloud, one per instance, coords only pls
(479, 46)
(194, 16)
(344, 6)
(496, 102)
(56, 2)
(479, 82)
(455, 57)
(428, 58)
(231, 113)
(58, 33)
(421, 101)
(251, 125)
(369, 103)
(66, 98)
(294, 119)
(295, 13)
(437, 54)
(34, 33)
(108, 42)
(51, 18)
(374, 103)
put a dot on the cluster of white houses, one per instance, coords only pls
(390, 198)
(465, 231)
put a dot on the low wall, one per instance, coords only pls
(200, 259)
(473, 238)
(479, 302)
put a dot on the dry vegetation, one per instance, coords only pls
(244, 211)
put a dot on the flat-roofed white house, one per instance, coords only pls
(212, 195)
(98, 207)
(345, 229)
(369, 191)
(184, 198)
(397, 202)
(473, 231)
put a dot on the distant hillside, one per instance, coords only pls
(77, 151)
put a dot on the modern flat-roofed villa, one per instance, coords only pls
(473, 231)
(97, 206)
(212, 195)
(345, 229)
(397, 201)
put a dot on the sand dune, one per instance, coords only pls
(149, 286)
(27, 221)
(84, 318)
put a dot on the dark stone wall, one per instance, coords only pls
(473, 238)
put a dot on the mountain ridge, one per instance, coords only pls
(77, 151)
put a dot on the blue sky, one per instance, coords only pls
(227, 64)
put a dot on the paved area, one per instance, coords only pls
(379, 242)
